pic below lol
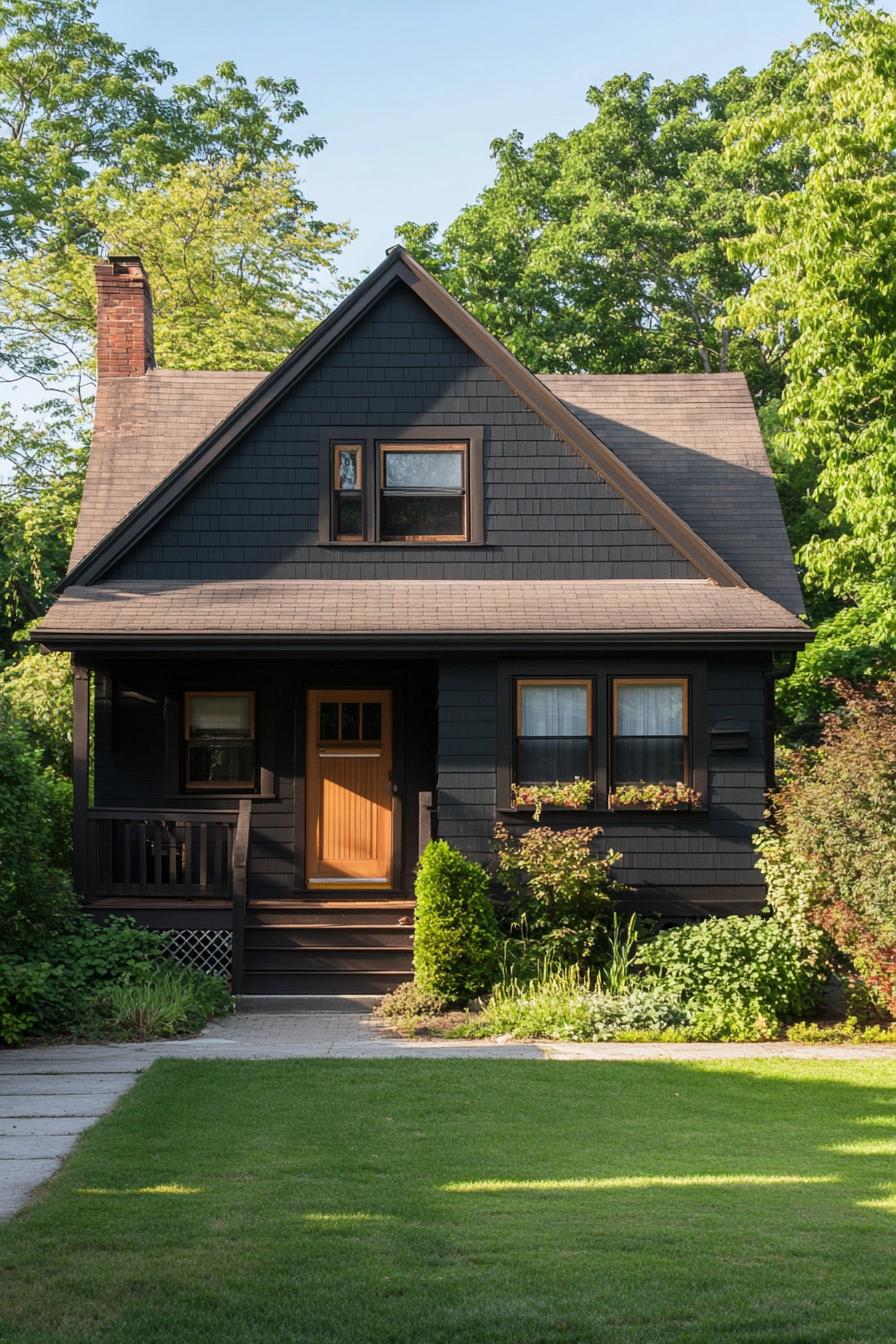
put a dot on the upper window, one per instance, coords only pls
(553, 731)
(219, 731)
(348, 493)
(650, 731)
(423, 492)
(395, 487)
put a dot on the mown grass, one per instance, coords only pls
(399, 1201)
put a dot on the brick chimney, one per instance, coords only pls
(123, 319)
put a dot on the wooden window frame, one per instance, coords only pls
(373, 440)
(339, 446)
(601, 671)
(659, 679)
(519, 684)
(219, 785)
(384, 446)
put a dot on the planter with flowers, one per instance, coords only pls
(572, 794)
(655, 797)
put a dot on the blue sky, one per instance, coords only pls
(409, 95)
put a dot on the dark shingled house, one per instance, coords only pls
(320, 615)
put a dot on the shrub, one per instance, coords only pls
(167, 1001)
(455, 930)
(849, 1032)
(737, 967)
(558, 890)
(829, 854)
(409, 1000)
(36, 896)
(34, 998)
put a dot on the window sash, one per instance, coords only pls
(226, 742)
(422, 492)
(646, 756)
(567, 749)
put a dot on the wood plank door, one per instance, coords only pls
(349, 789)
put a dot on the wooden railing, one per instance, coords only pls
(138, 852)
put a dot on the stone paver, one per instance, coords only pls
(50, 1094)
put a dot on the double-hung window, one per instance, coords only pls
(553, 731)
(398, 487)
(423, 492)
(219, 733)
(650, 731)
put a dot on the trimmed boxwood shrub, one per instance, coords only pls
(455, 930)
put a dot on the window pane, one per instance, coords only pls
(328, 730)
(437, 470)
(219, 715)
(348, 475)
(656, 760)
(351, 722)
(553, 711)
(543, 760)
(221, 762)
(424, 516)
(349, 520)
(372, 721)
(649, 711)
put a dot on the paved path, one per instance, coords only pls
(51, 1094)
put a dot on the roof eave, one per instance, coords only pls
(420, 641)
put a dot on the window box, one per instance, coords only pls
(644, 797)
(573, 796)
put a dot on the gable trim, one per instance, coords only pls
(400, 267)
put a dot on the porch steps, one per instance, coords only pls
(340, 945)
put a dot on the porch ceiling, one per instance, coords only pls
(301, 612)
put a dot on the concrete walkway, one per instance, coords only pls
(51, 1094)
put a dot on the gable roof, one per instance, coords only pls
(398, 267)
(302, 613)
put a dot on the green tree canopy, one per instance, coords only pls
(824, 254)
(605, 250)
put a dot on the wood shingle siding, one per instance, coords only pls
(547, 514)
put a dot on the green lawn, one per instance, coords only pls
(417, 1202)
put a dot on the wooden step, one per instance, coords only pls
(329, 959)
(323, 982)
(393, 914)
(301, 936)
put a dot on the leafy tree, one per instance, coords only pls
(825, 252)
(605, 250)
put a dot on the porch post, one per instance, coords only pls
(80, 774)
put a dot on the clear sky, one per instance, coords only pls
(409, 95)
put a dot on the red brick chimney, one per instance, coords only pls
(123, 319)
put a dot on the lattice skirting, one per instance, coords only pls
(205, 949)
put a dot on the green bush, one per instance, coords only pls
(849, 1032)
(167, 1001)
(558, 891)
(829, 856)
(407, 1001)
(34, 999)
(737, 968)
(455, 930)
(36, 896)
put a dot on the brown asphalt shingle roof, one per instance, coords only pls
(693, 439)
(397, 608)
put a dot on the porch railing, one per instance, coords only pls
(137, 852)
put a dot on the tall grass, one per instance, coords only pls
(171, 1001)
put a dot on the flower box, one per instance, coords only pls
(572, 795)
(644, 797)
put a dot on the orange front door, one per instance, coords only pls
(349, 788)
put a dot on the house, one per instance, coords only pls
(320, 615)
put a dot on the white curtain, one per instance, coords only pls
(649, 711)
(554, 711)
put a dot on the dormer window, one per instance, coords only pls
(402, 487)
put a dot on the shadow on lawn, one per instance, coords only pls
(498, 1201)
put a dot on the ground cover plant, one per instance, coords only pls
(473, 1201)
